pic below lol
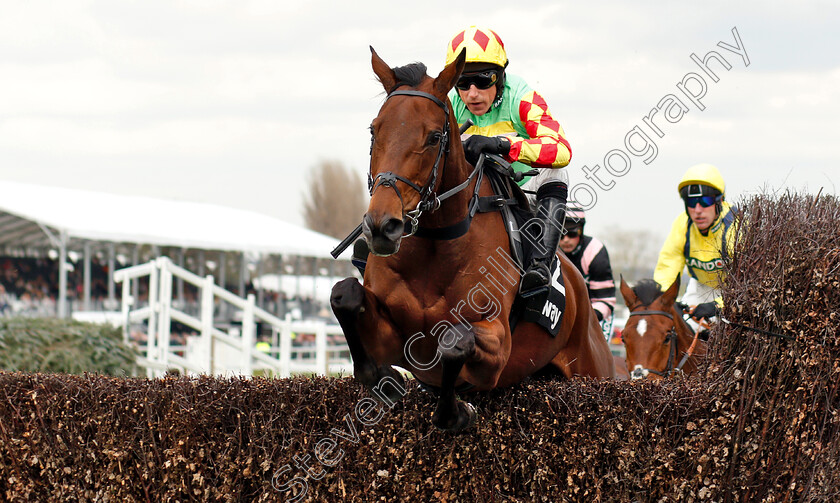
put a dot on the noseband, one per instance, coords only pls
(671, 337)
(428, 199)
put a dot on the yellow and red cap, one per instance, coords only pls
(483, 45)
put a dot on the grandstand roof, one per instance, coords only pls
(28, 211)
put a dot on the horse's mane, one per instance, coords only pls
(647, 290)
(409, 75)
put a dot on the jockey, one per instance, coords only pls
(590, 256)
(700, 239)
(510, 119)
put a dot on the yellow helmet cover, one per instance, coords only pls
(483, 45)
(703, 174)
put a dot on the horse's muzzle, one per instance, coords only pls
(383, 236)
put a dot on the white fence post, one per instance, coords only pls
(207, 323)
(165, 321)
(127, 302)
(151, 325)
(286, 348)
(248, 336)
(322, 365)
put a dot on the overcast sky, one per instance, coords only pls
(232, 102)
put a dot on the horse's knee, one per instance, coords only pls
(347, 296)
(457, 343)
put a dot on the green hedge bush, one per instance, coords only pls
(68, 346)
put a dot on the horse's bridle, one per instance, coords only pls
(670, 369)
(428, 200)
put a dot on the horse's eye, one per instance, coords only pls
(434, 138)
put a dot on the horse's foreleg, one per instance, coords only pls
(352, 308)
(452, 414)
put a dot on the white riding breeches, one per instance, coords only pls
(545, 175)
(698, 293)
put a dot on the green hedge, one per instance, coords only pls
(68, 346)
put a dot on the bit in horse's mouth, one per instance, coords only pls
(384, 248)
(383, 239)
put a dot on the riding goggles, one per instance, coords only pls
(572, 233)
(483, 80)
(704, 201)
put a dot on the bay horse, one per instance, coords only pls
(658, 341)
(431, 302)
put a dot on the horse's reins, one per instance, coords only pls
(758, 330)
(685, 307)
(672, 352)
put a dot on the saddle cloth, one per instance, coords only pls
(547, 310)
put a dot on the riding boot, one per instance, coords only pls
(537, 277)
(360, 255)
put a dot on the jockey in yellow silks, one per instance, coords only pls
(700, 240)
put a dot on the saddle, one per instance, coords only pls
(545, 310)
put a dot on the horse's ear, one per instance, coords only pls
(451, 73)
(383, 72)
(630, 299)
(670, 294)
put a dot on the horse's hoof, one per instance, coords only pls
(393, 391)
(465, 418)
(367, 374)
(373, 377)
(471, 413)
(347, 296)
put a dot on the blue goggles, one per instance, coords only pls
(703, 201)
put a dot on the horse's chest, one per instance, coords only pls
(408, 299)
(418, 306)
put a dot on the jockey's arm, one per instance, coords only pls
(671, 260)
(546, 145)
(601, 283)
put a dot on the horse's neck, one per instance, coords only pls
(468, 252)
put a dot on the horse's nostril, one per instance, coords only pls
(392, 228)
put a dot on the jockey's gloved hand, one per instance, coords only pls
(477, 144)
(706, 310)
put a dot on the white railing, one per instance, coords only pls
(215, 351)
